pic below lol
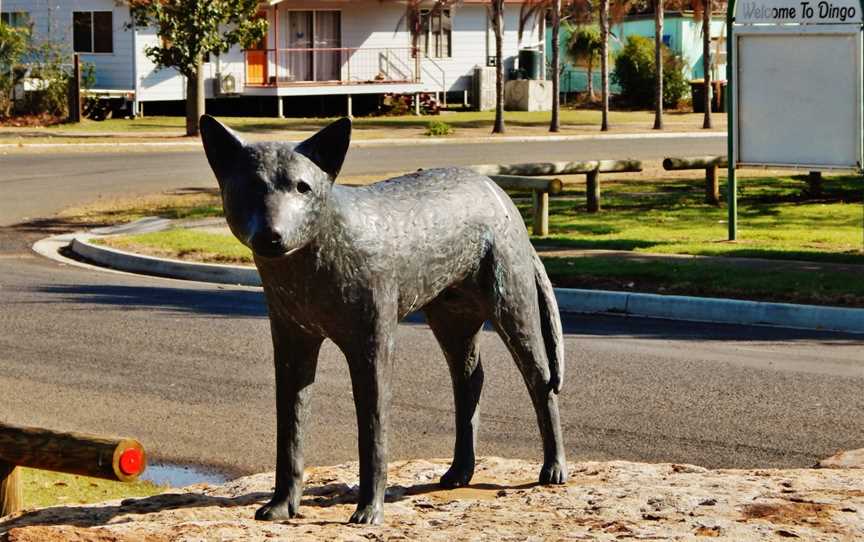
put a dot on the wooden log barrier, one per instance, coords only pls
(119, 459)
(590, 168)
(709, 164)
(540, 190)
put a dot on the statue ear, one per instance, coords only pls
(221, 145)
(327, 148)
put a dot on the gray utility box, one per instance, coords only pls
(483, 88)
(528, 95)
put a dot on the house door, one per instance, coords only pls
(328, 63)
(256, 65)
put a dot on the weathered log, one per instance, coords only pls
(559, 168)
(11, 499)
(75, 453)
(693, 162)
(516, 182)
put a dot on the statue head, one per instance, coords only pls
(273, 194)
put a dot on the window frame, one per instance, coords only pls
(92, 31)
(433, 39)
(16, 19)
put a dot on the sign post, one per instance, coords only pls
(795, 87)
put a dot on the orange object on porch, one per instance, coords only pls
(256, 67)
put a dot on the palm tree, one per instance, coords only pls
(584, 49)
(706, 60)
(658, 64)
(604, 63)
(496, 14)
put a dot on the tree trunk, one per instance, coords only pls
(706, 61)
(591, 96)
(555, 123)
(658, 64)
(195, 106)
(498, 28)
(604, 62)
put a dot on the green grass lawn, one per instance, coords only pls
(43, 488)
(457, 119)
(775, 220)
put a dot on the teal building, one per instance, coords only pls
(681, 32)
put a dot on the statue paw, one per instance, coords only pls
(457, 477)
(368, 514)
(554, 472)
(276, 510)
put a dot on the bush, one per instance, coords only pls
(438, 128)
(635, 73)
(403, 104)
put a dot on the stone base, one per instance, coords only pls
(602, 501)
(528, 95)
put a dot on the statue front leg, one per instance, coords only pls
(296, 358)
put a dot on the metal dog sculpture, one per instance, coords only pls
(347, 263)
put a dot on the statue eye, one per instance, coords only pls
(302, 187)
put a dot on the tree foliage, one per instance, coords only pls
(191, 29)
(635, 73)
(584, 46)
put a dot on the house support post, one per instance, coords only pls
(279, 112)
(349, 107)
(417, 104)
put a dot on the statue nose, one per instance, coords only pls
(267, 242)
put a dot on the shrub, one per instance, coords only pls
(438, 128)
(635, 73)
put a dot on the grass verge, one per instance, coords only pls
(44, 488)
(778, 221)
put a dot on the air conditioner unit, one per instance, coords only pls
(224, 84)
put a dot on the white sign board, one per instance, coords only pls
(797, 83)
(800, 12)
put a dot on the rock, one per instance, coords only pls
(851, 459)
(602, 501)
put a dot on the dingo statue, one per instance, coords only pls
(347, 263)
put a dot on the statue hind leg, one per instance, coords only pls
(517, 320)
(458, 334)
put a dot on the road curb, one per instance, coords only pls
(362, 143)
(570, 300)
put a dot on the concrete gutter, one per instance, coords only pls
(570, 300)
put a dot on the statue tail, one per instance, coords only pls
(550, 322)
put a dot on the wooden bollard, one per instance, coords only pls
(592, 191)
(709, 164)
(540, 190)
(118, 459)
(11, 498)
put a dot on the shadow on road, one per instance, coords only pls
(251, 304)
(222, 303)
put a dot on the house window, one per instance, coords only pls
(437, 26)
(93, 31)
(15, 19)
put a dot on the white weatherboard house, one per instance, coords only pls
(313, 47)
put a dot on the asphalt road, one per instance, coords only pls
(186, 367)
(36, 184)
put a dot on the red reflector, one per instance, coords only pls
(131, 461)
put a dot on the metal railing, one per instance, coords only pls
(330, 65)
